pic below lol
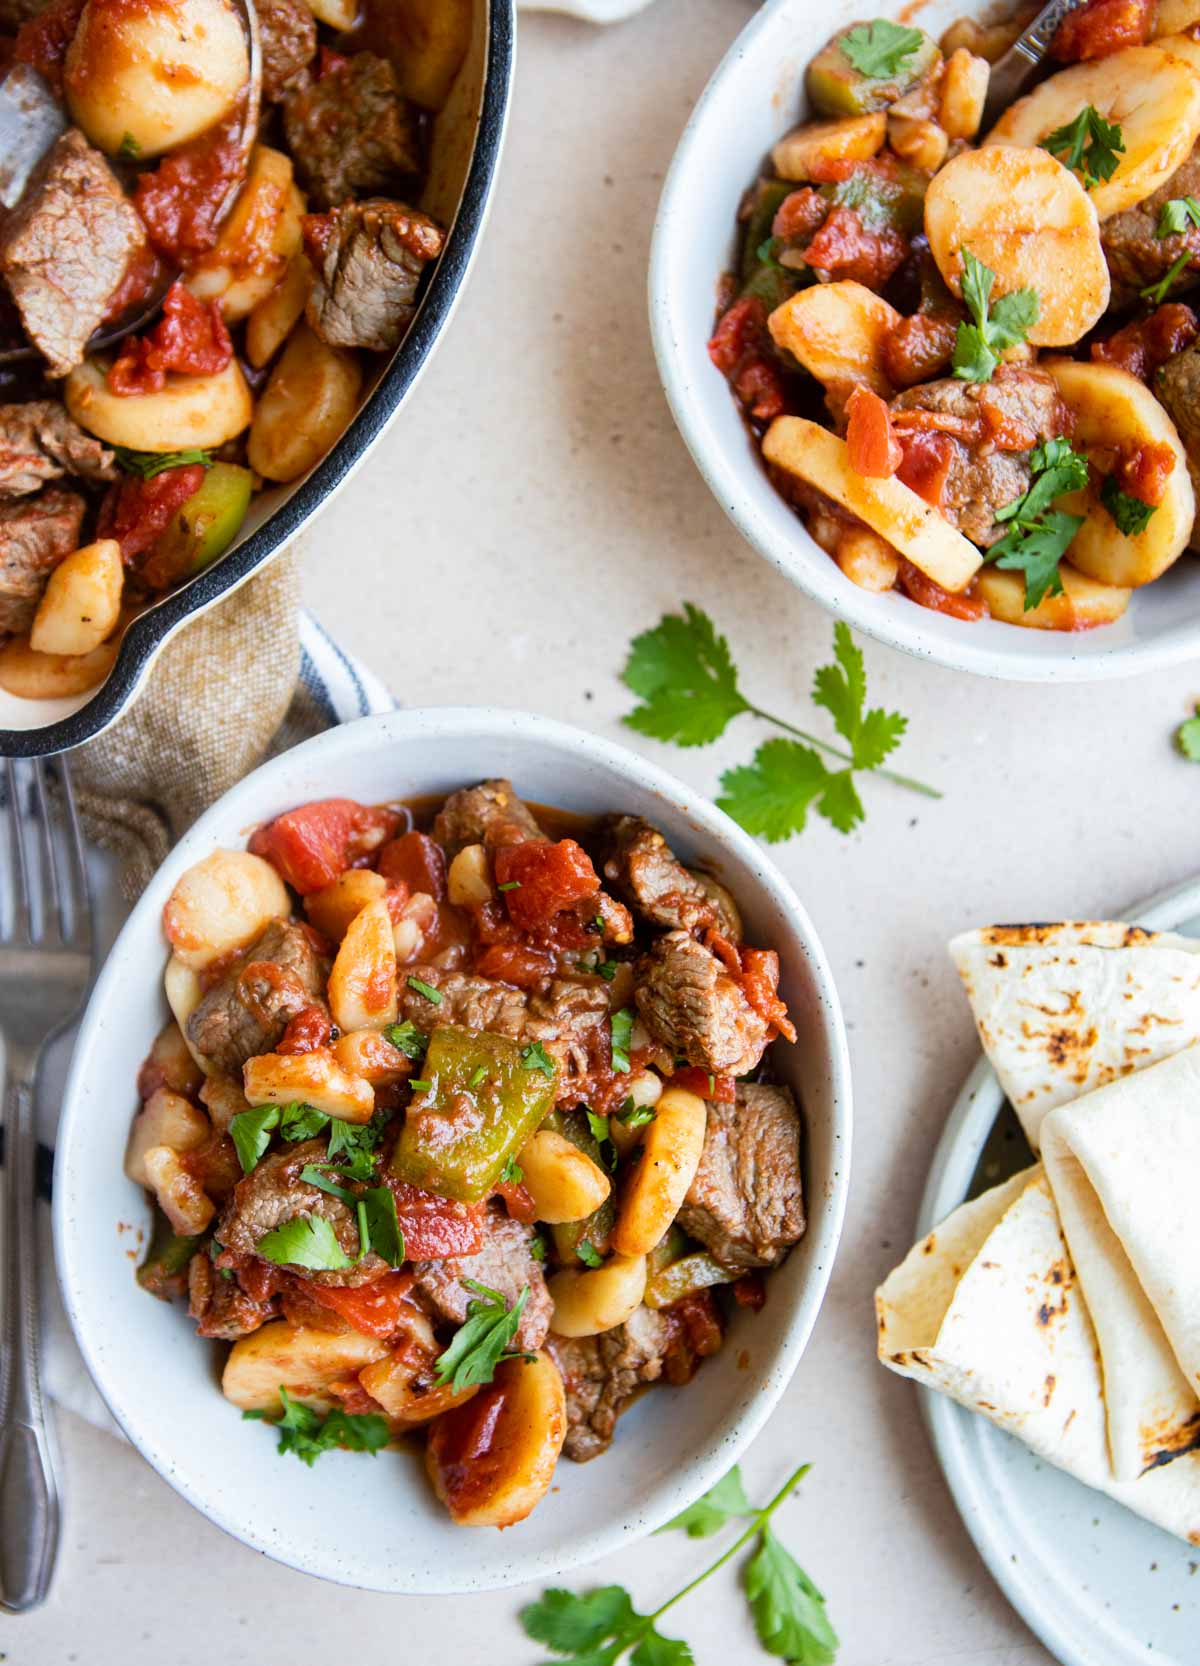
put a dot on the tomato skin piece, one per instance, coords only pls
(874, 451)
(189, 338)
(545, 879)
(307, 1031)
(314, 844)
(374, 1309)
(515, 964)
(760, 982)
(517, 1201)
(704, 1084)
(180, 202)
(43, 40)
(435, 1227)
(416, 860)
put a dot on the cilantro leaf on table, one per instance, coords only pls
(789, 1611)
(772, 795)
(721, 1503)
(1089, 146)
(307, 1434)
(1038, 536)
(475, 1349)
(1187, 737)
(978, 346)
(304, 1241)
(842, 689)
(1130, 514)
(880, 48)
(683, 673)
(1178, 215)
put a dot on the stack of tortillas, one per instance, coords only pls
(1064, 1304)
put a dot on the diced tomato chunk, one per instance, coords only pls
(312, 845)
(750, 1291)
(43, 40)
(705, 1084)
(1144, 470)
(190, 338)
(418, 861)
(136, 513)
(307, 1031)
(919, 588)
(1146, 344)
(435, 1227)
(741, 329)
(517, 1201)
(544, 879)
(800, 214)
(513, 963)
(848, 248)
(926, 463)
(874, 451)
(375, 1309)
(1100, 27)
(760, 982)
(759, 386)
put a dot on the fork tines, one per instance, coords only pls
(43, 881)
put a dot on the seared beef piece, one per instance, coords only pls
(489, 814)
(645, 870)
(15, 12)
(274, 1192)
(475, 1003)
(351, 133)
(983, 478)
(219, 1305)
(746, 1205)
(368, 258)
(568, 1018)
(504, 1264)
(288, 33)
(65, 248)
(247, 1012)
(602, 1373)
(1178, 386)
(34, 537)
(1136, 255)
(40, 442)
(692, 1006)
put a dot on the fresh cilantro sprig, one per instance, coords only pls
(588, 1253)
(978, 346)
(535, 1057)
(1039, 536)
(1089, 146)
(146, 464)
(304, 1241)
(479, 1342)
(685, 676)
(602, 1626)
(307, 1434)
(251, 1130)
(411, 1041)
(622, 1035)
(1178, 215)
(1187, 737)
(1130, 514)
(880, 48)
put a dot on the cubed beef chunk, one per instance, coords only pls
(746, 1204)
(273, 1193)
(991, 428)
(1177, 385)
(475, 1003)
(505, 1264)
(247, 1012)
(351, 133)
(489, 814)
(34, 537)
(646, 872)
(690, 1004)
(15, 12)
(368, 258)
(601, 1374)
(65, 248)
(219, 1305)
(570, 1019)
(1136, 255)
(40, 442)
(287, 31)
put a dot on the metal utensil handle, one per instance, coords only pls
(1011, 73)
(29, 1500)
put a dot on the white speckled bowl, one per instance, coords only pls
(376, 1524)
(754, 96)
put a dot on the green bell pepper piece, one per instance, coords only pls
(892, 200)
(684, 1278)
(164, 1271)
(486, 1096)
(205, 526)
(836, 88)
(597, 1227)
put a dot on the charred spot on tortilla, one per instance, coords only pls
(1051, 1383)
(999, 960)
(930, 1244)
(1163, 1446)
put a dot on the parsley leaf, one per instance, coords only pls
(710, 1512)
(978, 346)
(1038, 536)
(622, 1031)
(879, 49)
(383, 1233)
(588, 1253)
(1178, 215)
(1156, 293)
(1187, 737)
(251, 1132)
(301, 1122)
(773, 795)
(1089, 145)
(537, 1247)
(304, 1241)
(635, 1116)
(307, 1434)
(535, 1057)
(842, 689)
(355, 1143)
(512, 1173)
(1130, 514)
(789, 1611)
(146, 464)
(128, 150)
(319, 1177)
(422, 988)
(411, 1041)
(477, 1345)
(683, 672)
(598, 1125)
(569, 1624)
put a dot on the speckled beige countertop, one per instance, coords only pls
(533, 509)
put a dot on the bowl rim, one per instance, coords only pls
(486, 725)
(151, 630)
(726, 478)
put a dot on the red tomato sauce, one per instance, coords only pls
(190, 339)
(136, 512)
(180, 202)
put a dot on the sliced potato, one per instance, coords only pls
(1186, 47)
(469, 878)
(170, 1064)
(81, 603)
(369, 1054)
(180, 1195)
(905, 521)
(563, 1181)
(963, 94)
(165, 1119)
(919, 141)
(276, 315)
(671, 1152)
(223, 1099)
(184, 993)
(590, 1302)
(1111, 407)
(316, 1078)
(257, 241)
(867, 559)
(1027, 218)
(310, 398)
(34, 676)
(514, 1431)
(341, 15)
(817, 144)
(403, 1385)
(837, 332)
(221, 903)
(1083, 604)
(363, 985)
(1173, 17)
(332, 909)
(304, 1361)
(191, 411)
(1153, 97)
(429, 40)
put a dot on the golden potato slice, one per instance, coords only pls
(304, 1361)
(33, 676)
(332, 909)
(867, 560)
(276, 315)
(587, 1303)
(1154, 98)
(1173, 17)
(191, 411)
(837, 332)
(165, 1119)
(888, 507)
(81, 603)
(1027, 218)
(363, 985)
(428, 40)
(1182, 46)
(310, 398)
(316, 1078)
(564, 1183)
(1112, 407)
(817, 144)
(671, 1153)
(1083, 605)
(963, 94)
(257, 241)
(513, 1431)
(221, 903)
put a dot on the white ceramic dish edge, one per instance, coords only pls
(310, 770)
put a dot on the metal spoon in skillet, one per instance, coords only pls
(1012, 74)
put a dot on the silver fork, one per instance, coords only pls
(45, 965)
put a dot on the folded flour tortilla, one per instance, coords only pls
(988, 1310)
(1062, 1009)
(1124, 1166)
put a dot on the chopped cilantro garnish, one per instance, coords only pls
(1089, 145)
(411, 1041)
(1156, 293)
(478, 1076)
(305, 1433)
(622, 1030)
(1131, 514)
(420, 1084)
(635, 1116)
(608, 970)
(512, 1173)
(880, 48)
(479, 1342)
(535, 1057)
(1038, 536)
(1178, 215)
(978, 346)
(128, 150)
(588, 1253)
(146, 464)
(510, 885)
(304, 1241)
(426, 989)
